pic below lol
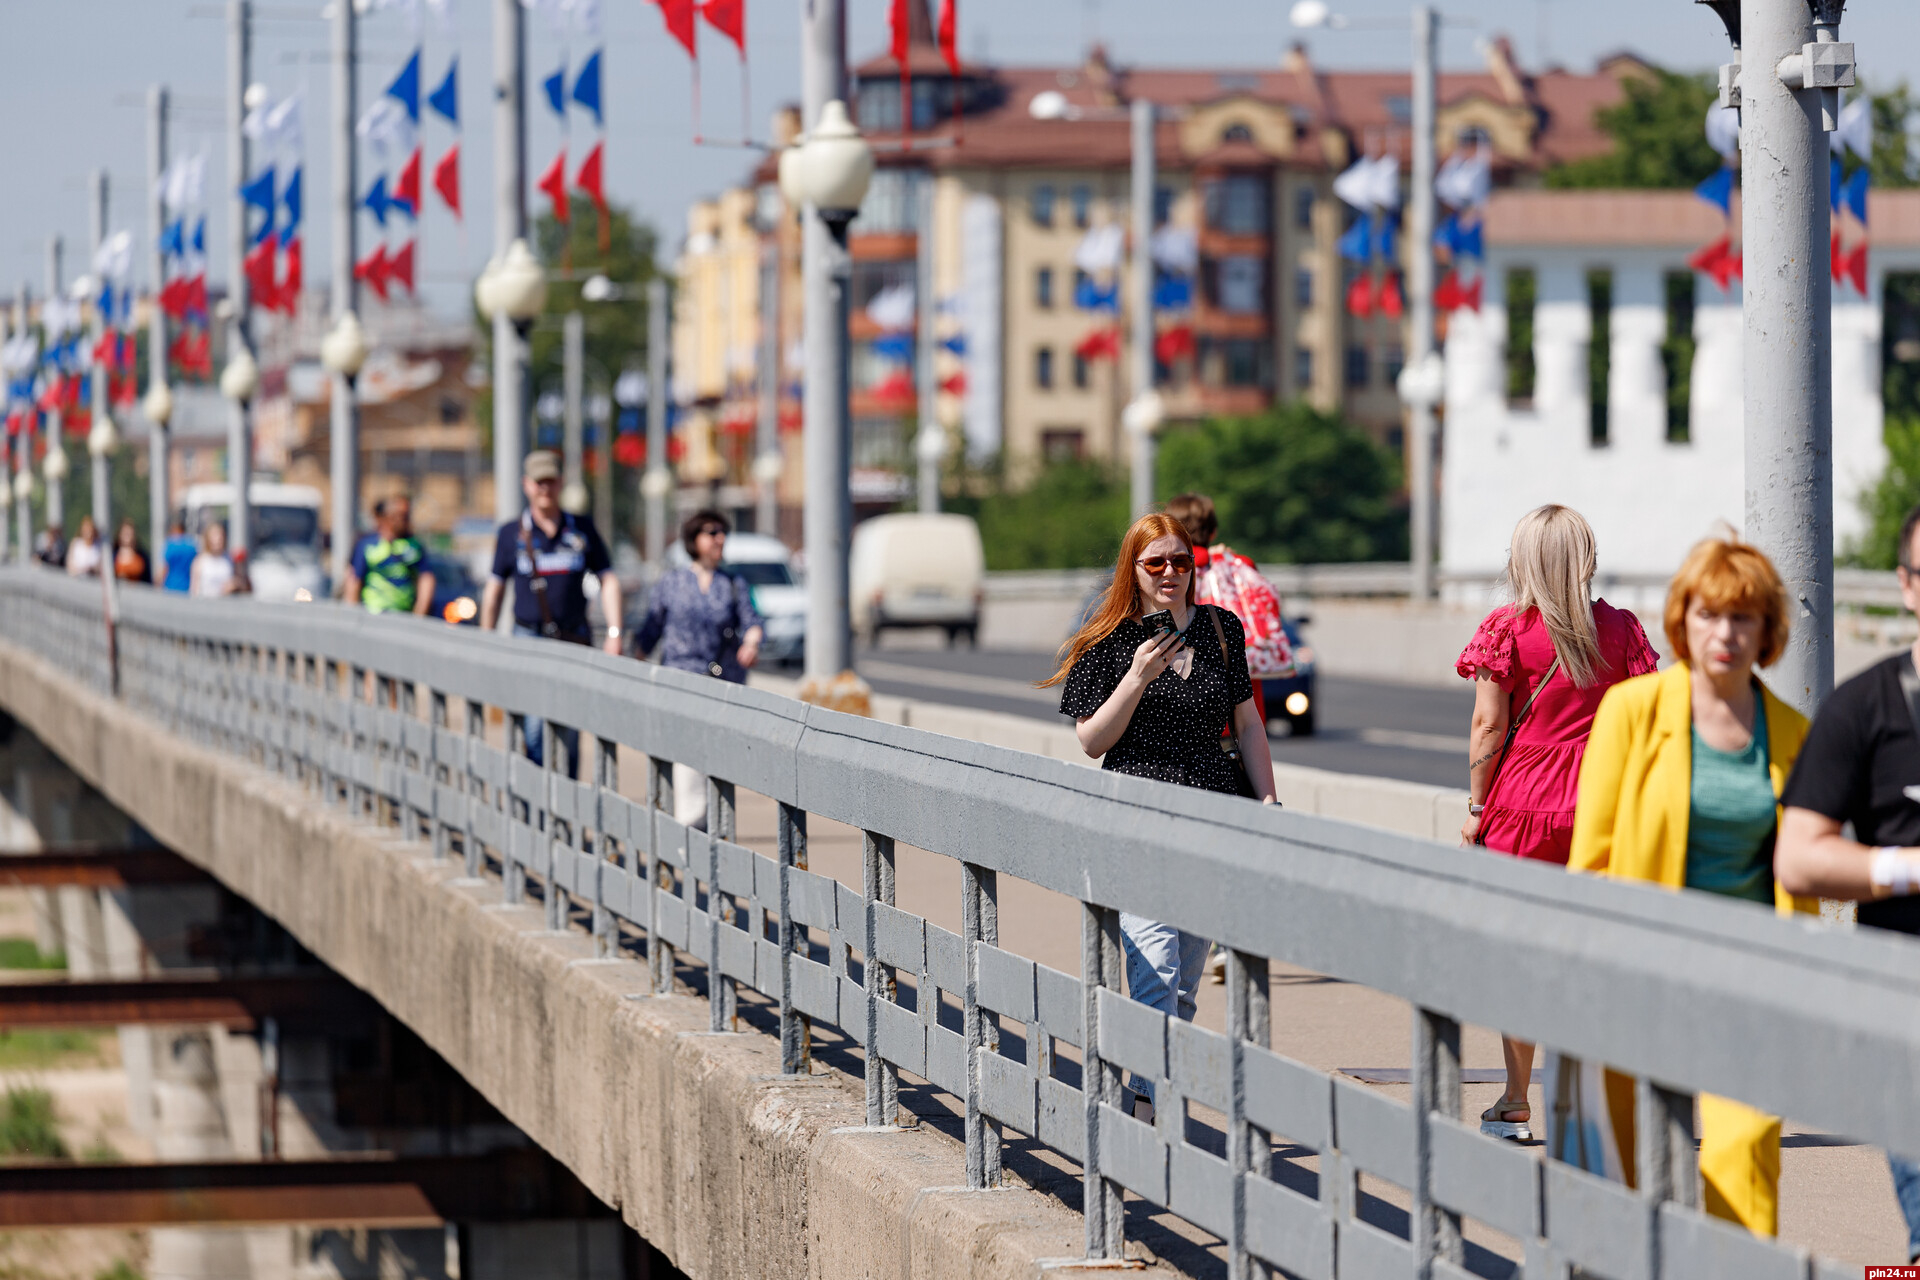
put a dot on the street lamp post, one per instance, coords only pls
(54, 466)
(656, 485)
(510, 293)
(346, 342)
(1143, 415)
(766, 461)
(573, 350)
(930, 442)
(1785, 84)
(158, 403)
(100, 444)
(239, 296)
(509, 229)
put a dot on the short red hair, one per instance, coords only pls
(1727, 574)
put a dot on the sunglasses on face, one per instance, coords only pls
(1158, 564)
(714, 531)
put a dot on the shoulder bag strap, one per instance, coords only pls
(1513, 729)
(1219, 632)
(536, 583)
(1910, 686)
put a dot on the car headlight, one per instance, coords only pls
(460, 610)
(1297, 703)
(1303, 656)
(302, 596)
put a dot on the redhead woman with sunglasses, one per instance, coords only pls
(1153, 703)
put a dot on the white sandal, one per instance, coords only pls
(1494, 1122)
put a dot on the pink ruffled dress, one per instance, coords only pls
(1529, 813)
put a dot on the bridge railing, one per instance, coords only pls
(1687, 992)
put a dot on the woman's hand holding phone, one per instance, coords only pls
(1153, 657)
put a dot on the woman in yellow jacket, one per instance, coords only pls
(1680, 786)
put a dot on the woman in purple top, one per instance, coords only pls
(702, 616)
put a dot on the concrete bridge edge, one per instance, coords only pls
(728, 1168)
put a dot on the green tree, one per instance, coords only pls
(1293, 485)
(1659, 139)
(1071, 516)
(1886, 502)
(1896, 124)
(616, 331)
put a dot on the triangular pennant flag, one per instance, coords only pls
(1854, 195)
(1393, 303)
(400, 266)
(291, 199)
(406, 187)
(1856, 268)
(586, 86)
(1470, 295)
(729, 18)
(288, 294)
(1357, 243)
(589, 178)
(196, 298)
(258, 268)
(173, 299)
(1446, 294)
(1389, 233)
(200, 236)
(948, 34)
(900, 19)
(405, 88)
(1836, 263)
(554, 183)
(446, 99)
(373, 270)
(377, 199)
(173, 240)
(259, 192)
(446, 178)
(678, 15)
(556, 88)
(1470, 242)
(1718, 191)
(1833, 183)
(1360, 296)
(1719, 261)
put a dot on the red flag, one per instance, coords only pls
(287, 296)
(446, 178)
(630, 449)
(373, 269)
(1719, 261)
(949, 34)
(1360, 296)
(589, 180)
(406, 187)
(679, 18)
(1470, 294)
(954, 385)
(554, 183)
(1101, 344)
(729, 18)
(1392, 303)
(1856, 268)
(1174, 344)
(173, 298)
(1837, 260)
(258, 267)
(1447, 295)
(197, 295)
(900, 16)
(400, 266)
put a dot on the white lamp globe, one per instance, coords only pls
(157, 404)
(54, 466)
(1309, 13)
(768, 466)
(483, 288)
(23, 485)
(104, 438)
(520, 286)
(1144, 413)
(241, 378)
(838, 163)
(1048, 104)
(344, 349)
(793, 189)
(598, 289)
(657, 483)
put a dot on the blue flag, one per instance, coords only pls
(406, 87)
(1389, 233)
(1089, 296)
(173, 240)
(894, 346)
(957, 344)
(377, 199)
(200, 236)
(446, 99)
(1856, 193)
(1171, 291)
(1718, 190)
(556, 87)
(259, 192)
(1833, 184)
(1357, 244)
(291, 199)
(586, 86)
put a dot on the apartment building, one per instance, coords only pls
(1246, 161)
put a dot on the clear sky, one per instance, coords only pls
(74, 93)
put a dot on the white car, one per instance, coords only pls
(781, 600)
(285, 562)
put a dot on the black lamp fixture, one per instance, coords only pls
(1729, 11)
(1826, 13)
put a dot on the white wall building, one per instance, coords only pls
(1649, 488)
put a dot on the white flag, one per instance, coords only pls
(1177, 249)
(1855, 131)
(1100, 248)
(1465, 180)
(114, 258)
(386, 128)
(892, 308)
(1723, 131)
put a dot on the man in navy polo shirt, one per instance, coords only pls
(548, 554)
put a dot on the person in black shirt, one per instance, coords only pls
(1860, 764)
(1154, 706)
(547, 554)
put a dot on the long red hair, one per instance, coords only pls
(1122, 600)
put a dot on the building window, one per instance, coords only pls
(1236, 133)
(1238, 284)
(1042, 206)
(1162, 205)
(1237, 204)
(1400, 108)
(879, 442)
(1043, 368)
(1599, 352)
(1062, 444)
(1522, 290)
(1303, 201)
(1359, 367)
(1245, 362)
(1082, 198)
(1080, 371)
(892, 202)
(1303, 287)
(1303, 367)
(1043, 288)
(1676, 353)
(1392, 360)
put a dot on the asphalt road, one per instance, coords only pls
(1411, 732)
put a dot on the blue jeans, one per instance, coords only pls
(1164, 967)
(535, 729)
(1906, 1188)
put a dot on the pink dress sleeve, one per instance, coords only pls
(1641, 659)
(1492, 647)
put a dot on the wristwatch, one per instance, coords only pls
(613, 633)
(1475, 810)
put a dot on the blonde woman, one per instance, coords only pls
(1540, 667)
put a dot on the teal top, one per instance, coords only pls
(1730, 821)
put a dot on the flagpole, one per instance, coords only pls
(158, 460)
(56, 484)
(1420, 276)
(23, 453)
(343, 460)
(100, 466)
(1145, 177)
(509, 223)
(239, 296)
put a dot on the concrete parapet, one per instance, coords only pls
(727, 1167)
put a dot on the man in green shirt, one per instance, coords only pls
(389, 571)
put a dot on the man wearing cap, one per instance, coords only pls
(548, 554)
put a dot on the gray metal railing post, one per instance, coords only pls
(512, 876)
(474, 786)
(722, 824)
(880, 980)
(606, 782)
(1436, 1090)
(1099, 967)
(659, 873)
(1665, 1161)
(979, 922)
(1249, 1021)
(794, 1033)
(438, 775)
(547, 830)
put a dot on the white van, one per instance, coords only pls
(285, 562)
(914, 570)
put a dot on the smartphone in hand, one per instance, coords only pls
(1160, 623)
